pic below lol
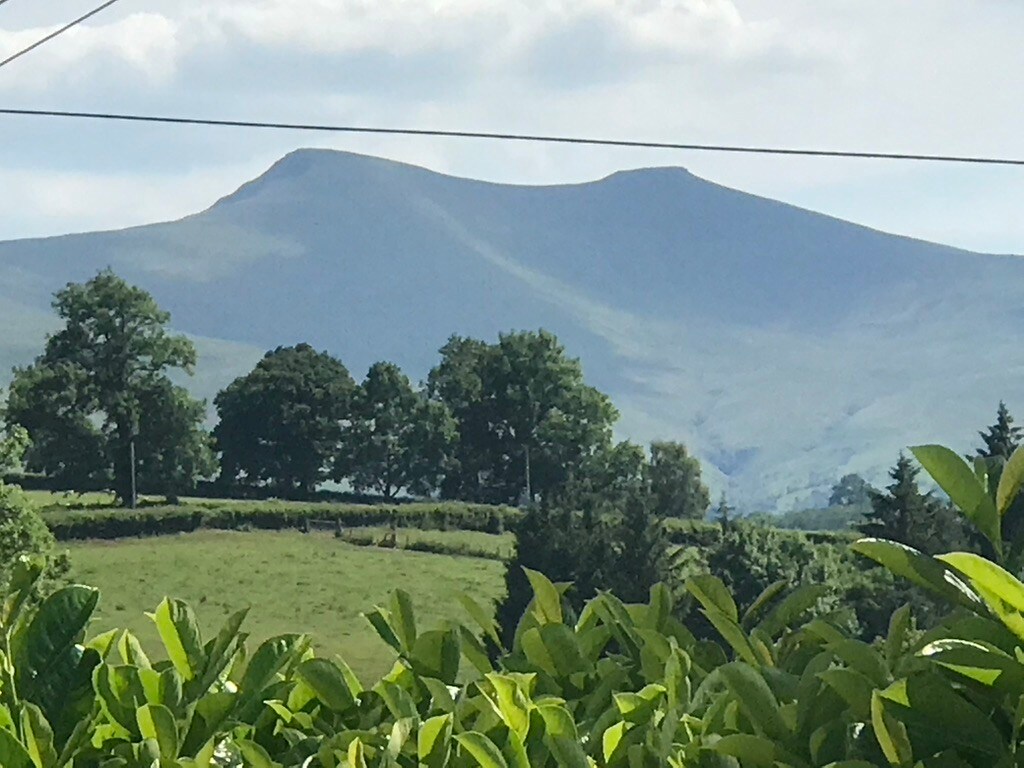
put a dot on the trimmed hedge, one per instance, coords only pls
(703, 534)
(161, 520)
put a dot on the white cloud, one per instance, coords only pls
(146, 44)
(858, 75)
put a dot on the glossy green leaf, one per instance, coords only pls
(255, 756)
(396, 699)
(713, 595)
(613, 740)
(1010, 481)
(130, 649)
(437, 653)
(328, 682)
(561, 737)
(380, 620)
(891, 734)
(920, 569)
(433, 743)
(962, 486)
(734, 635)
(266, 664)
(222, 649)
(762, 601)
(896, 638)
(46, 661)
(38, 737)
(179, 631)
(483, 618)
(983, 574)
(510, 703)
(755, 699)
(750, 750)
(157, 723)
(862, 657)
(855, 688)
(983, 664)
(547, 600)
(791, 608)
(403, 618)
(481, 749)
(12, 753)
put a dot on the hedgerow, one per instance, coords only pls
(160, 520)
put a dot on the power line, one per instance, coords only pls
(56, 33)
(977, 160)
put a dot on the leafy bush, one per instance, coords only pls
(778, 683)
(23, 533)
(613, 684)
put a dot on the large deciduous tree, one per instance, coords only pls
(527, 420)
(851, 491)
(397, 439)
(100, 389)
(675, 482)
(281, 424)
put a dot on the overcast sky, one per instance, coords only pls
(930, 76)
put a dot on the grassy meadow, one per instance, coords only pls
(293, 581)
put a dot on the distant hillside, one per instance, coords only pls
(788, 348)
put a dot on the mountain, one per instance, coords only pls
(786, 347)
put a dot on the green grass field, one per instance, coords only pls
(294, 582)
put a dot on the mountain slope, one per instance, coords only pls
(787, 347)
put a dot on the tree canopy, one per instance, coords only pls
(676, 486)
(281, 424)
(527, 419)
(851, 491)
(101, 385)
(397, 437)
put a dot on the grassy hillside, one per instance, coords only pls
(307, 581)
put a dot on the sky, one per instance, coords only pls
(873, 75)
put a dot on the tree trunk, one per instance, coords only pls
(123, 467)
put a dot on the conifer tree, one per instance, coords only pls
(1002, 438)
(642, 551)
(904, 514)
(723, 512)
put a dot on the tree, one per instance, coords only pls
(527, 420)
(1002, 438)
(177, 448)
(723, 512)
(606, 480)
(281, 424)
(902, 513)
(675, 482)
(14, 442)
(566, 546)
(641, 546)
(851, 491)
(86, 400)
(398, 438)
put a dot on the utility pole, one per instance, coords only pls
(529, 488)
(133, 502)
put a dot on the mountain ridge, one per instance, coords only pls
(775, 340)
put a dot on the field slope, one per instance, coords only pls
(293, 581)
